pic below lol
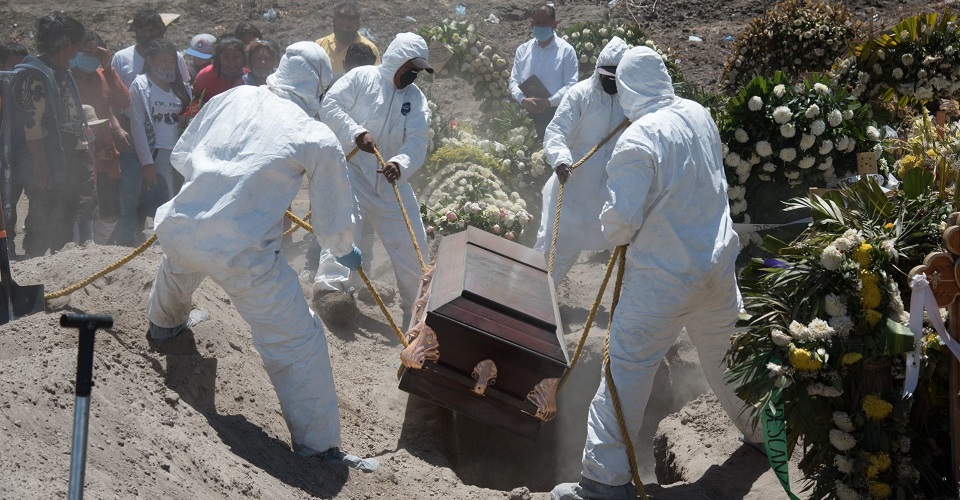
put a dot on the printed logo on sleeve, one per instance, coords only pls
(405, 109)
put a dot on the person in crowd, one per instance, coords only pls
(101, 88)
(147, 26)
(225, 224)
(383, 100)
(158, 100)
(588, 112)
(246, 32)
(346, 26)
(548, 58)
(199, 54)
(226, 72)
(63, 188)
(668, 202)
(11, 54)
(359, 54)
(262, 58)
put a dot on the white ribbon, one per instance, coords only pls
(924, 300)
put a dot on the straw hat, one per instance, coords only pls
(92, 116)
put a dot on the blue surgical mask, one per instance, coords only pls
(542, 33)
(85, 63)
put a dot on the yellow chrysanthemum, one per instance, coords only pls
(876, 407)
(870, 296)
(877, 464)
(888, 226)
(851, 358)
(879, 491)
(862, 254)
(873, 317)
(802, 360)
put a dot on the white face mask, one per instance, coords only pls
(163, 75)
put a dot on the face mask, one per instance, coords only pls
(163, 75)
(408, 78)
(85, 63)
(143, 40)
(542, 33)
(344, 35)
(609, 85)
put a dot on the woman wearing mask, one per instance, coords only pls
(100, 87)
(226, 72)
(158, 99)
(262, 58)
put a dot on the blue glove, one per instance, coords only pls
(351, 260)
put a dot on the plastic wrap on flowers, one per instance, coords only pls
(589, 38)
(474, 58)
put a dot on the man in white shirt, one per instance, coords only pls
(552, 60)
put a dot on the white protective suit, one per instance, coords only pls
(668, 201)
(243, 159)
(366, 100)
(585, 116)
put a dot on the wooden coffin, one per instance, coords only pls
(491, 299)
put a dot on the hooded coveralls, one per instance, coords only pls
(366, 100)
(668, 201)
(243, 159)
(585, 116)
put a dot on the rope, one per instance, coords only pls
(295, 227)
(373, 291)
(406, 218)
(556, 218)
(103, 272)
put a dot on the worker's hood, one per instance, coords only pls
(612, 53)
(404, 47)
(302, 76)
(643, 82)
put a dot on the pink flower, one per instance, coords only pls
(509, 236)
(451, 216)
(429, 229)
(503, 214)
(454, 124)
(496, 229)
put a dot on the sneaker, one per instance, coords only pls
(354, 462)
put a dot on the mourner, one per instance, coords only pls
(346, 23)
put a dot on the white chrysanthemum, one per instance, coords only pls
(851, 145)
(831, 258)
(842, 143)
(821, 88)
(779, 338)
(732, 159)
(843, 421)
(755, 103)
(763, 149)
(754, 159)
(817, 127)
(769, 167)
(908, 472)
(738, 207)
(787, 130)
(907, 59)
(788, 154)
(903, 442)
(825, 147)
(890, 247)
(845, 492)
(897, 73)
(843, 464)
(812, 111)
(736, 192)
(779, 90)
(807, 141)
(834, 118)
(798, 330)
(847, 114)
(775, 369)
(741, 136)
(819, 329)
(843, 325)
(854, 236)
(834, 305)
(791, 174)
(827, 392)
(782, 114)
(743, 168)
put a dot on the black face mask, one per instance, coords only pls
(143, 40)
(408, 78)
(609, 84)
(344, 36)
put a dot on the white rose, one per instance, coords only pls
(755, 103)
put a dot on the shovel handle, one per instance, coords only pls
(87, 324)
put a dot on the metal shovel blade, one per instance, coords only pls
(21, 301)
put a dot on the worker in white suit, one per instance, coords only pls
(668, 202)
(243, 159)
(589, 111)
(380, 106)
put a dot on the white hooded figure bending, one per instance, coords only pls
(243, 159)
(589, 112)
(380, 107)
(668, 201)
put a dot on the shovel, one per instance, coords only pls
(15, 300)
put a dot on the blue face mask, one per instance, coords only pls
(85, 63)
(542, 33)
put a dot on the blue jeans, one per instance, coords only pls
(131, 176)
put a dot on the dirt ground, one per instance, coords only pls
(199, 419)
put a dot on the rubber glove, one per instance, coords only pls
(352, 259)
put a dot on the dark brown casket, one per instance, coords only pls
(491, 307)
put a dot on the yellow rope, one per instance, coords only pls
(295, 227)
(373, 291)
(406, 218)
(556, 217)
(103, 272)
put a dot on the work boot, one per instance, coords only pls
(588, 489)
(160, 334)
(335, 455)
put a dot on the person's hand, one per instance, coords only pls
(530, 104)
(563, 172)
(391, 171)
(105, 56)
(122, 139)
(150, 174)
(366, 143)
(542, 104)
(352, 259)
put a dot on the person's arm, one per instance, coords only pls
(514, 84)
(569, 69)
(416, 137)
(331, 195)
(139, 115)
(341, 97)
(118, 93)
(630, 174)
(555, 138)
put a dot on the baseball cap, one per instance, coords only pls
(421, 63)
(201, 46)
